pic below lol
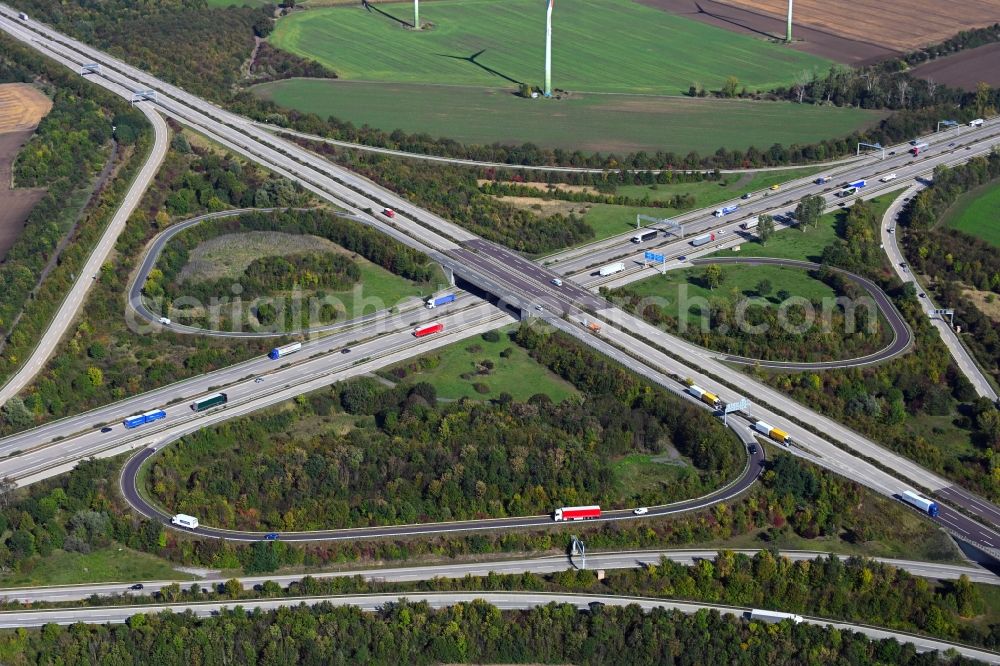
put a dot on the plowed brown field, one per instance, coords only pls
(897, 24)
(21, 108)
(965, 69)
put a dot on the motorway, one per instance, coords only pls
(404, 574)
(77, 294)
(129, 487)
(527, 285)
(502, 600)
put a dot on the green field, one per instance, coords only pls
(598, 45)
(977, 213)
(738, 281)
(519, 374)
(104, 565)
(586, 122)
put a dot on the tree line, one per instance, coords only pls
(502, 189)
(77, 137)
(466, 633)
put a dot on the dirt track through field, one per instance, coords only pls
(894, 25)
(816, 41)
(21, 108)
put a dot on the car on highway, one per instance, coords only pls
(388, 212)
(746, 196)
(538, 307)
(752, 449)
(137, 586)
(902, 264)
(923, 295)
(164, 321)
(951, 144)
(682, 258)
(775, 187)
(258, 380)
(345, 350)
(641, 511)
(106, 429)
(271, 536)
(892, 152)
(892, 229)
(557, 282)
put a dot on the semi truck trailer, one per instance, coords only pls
(429, 329)
(703, 395)
(772, 617)
(750, 224)
(440, 300)
(209, 401)
(576, 513)
(726, 210)
(281, 352)
(776, 434)
(917, 148)
(701, 240)
(929, 507)
(611, 269)
(144, 418)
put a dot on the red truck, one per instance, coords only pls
(576, 513)
(429, 329)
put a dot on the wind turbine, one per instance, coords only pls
(788, 29)
(548, 49)
(416, 14)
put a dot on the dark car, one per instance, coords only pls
(106, 429)
(753, 449)
(682, 258)
(951, 144)
(137, 586)
(345, 350)
(745, 196)
(902, 264)
(923, 295)
(271, 536)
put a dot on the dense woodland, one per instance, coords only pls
(420, 461)
(469, 633)
(760, 333)
(71, 146)
(103, 359)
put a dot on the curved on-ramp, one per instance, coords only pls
(128, 482)
(137, 304)
(902, 336)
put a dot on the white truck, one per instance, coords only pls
(978, 122)
(773, 617)
(611, 269)
(750, 224)
(886, 178)
(185, 521)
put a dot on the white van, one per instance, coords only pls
(182, 520)
(164, 321)
(888, 177)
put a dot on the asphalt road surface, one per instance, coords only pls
(539, 565)
(502, 600)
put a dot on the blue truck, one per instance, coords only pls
(141, 419)
(726, 210)
(279, 352)
(435, 301)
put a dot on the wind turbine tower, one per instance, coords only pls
(416, 14)
(548, 49)
(788, 28)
